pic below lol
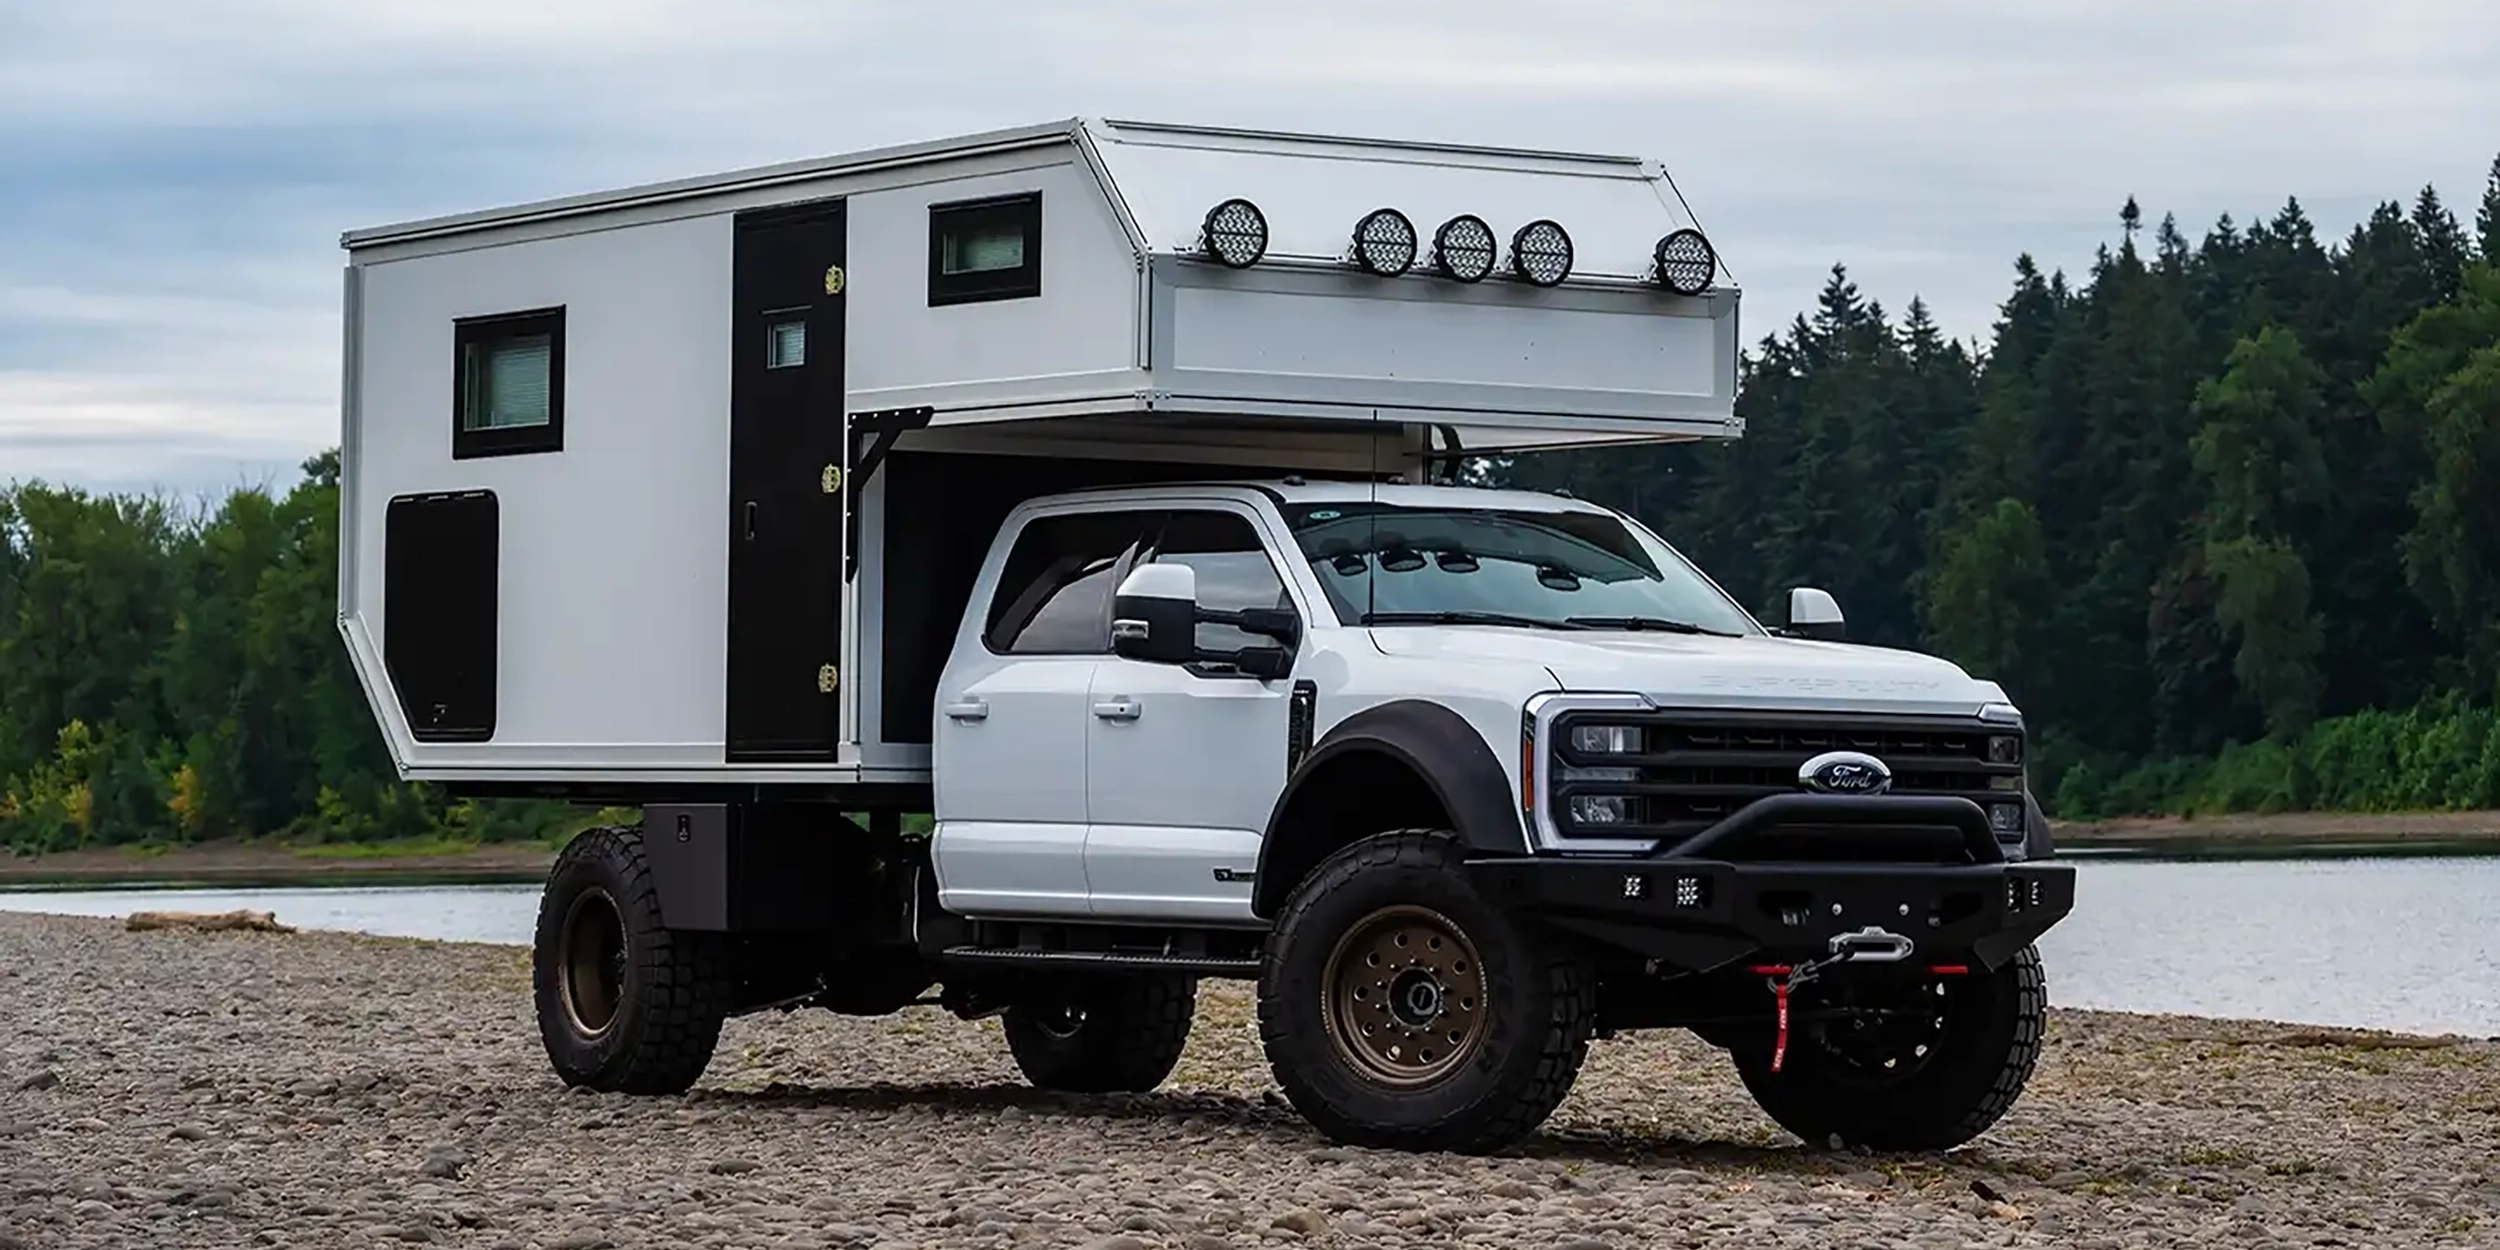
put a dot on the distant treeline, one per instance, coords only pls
(2213, 516)
(2224, 518)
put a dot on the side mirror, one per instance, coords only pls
(1815, 614)
(1154, 617)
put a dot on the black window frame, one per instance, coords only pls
(1024, 209)
(518, 440)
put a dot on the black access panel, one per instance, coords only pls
(785, 505)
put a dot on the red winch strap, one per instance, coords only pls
(1779, 1047)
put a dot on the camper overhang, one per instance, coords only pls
(1566, 327)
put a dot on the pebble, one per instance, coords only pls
(344, 1117)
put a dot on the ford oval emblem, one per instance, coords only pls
(1845, 772)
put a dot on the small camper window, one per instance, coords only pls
(985, 249)
(509, 392)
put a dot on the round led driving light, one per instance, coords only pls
(1384, 243)
(1541, 253)
(1235, 233)
(1463, 248)
(1686, 262)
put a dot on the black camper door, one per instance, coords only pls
(785, 506)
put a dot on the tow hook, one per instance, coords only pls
(1868, 945)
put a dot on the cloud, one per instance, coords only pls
(179, 170)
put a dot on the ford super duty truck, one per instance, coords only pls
(1044, 650)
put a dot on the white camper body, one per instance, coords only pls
(782, 411)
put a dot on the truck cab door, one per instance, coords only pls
(1008, 747)
(1183, 766)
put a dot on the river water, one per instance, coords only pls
(2404, 943)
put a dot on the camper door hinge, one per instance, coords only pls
(871, 436)
(834, 280)
(827, 677)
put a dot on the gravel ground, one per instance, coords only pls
(176, 1089)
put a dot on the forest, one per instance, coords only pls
(2223, 516)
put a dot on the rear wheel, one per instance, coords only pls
(1400, 1009)
(623, 1004)
(1942, 1062)
(1116, 1035)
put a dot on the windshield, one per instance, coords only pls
(1387, 564)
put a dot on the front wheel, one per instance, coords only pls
(1120, 1035)
(1401, 1009)
(624, 1006)
(1926, 1068)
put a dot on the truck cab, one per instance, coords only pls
(1028, 574)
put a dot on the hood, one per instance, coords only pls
(1706, 671)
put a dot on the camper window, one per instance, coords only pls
(508, 388)
(985, 249)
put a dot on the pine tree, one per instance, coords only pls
(2487, 222)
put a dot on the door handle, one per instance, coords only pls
(1118, 709)
(969, 709)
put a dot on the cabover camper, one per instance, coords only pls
(1092, 488)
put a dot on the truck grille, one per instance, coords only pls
(1677, 773)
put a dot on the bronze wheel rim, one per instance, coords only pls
(592, 975)
(1405, 994)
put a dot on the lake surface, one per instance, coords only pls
(2406, 943)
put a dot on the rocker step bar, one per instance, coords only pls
(1098, 961)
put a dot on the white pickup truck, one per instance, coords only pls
(1148, 587)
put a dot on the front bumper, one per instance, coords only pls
(1694, 912)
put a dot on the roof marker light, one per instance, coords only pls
(1686, 262)
(1463, 248)
(1541, 253)
(1384, 243)
(1235, 233)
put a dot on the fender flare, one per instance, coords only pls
(1440, 747)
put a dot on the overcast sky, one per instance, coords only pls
(174, 174)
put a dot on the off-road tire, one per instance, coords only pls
(675, 987)
(1980, 1066)
(1539, 998)
(1128, 1041)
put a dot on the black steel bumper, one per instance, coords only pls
(1691, 911)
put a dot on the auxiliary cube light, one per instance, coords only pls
(1235, 233)
(1384, 243)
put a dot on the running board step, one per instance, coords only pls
(1101, 961)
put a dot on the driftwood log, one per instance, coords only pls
(208, 922)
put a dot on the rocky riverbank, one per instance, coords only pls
(322, 1090)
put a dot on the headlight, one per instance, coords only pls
(1607, 739)
(2005, 749)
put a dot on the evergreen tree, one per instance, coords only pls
(2487, 222)
(2259, 453)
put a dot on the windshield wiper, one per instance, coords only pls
(1657, 624)
(1463, 618)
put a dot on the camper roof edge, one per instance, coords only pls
(714, 184)
(1085, 132)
